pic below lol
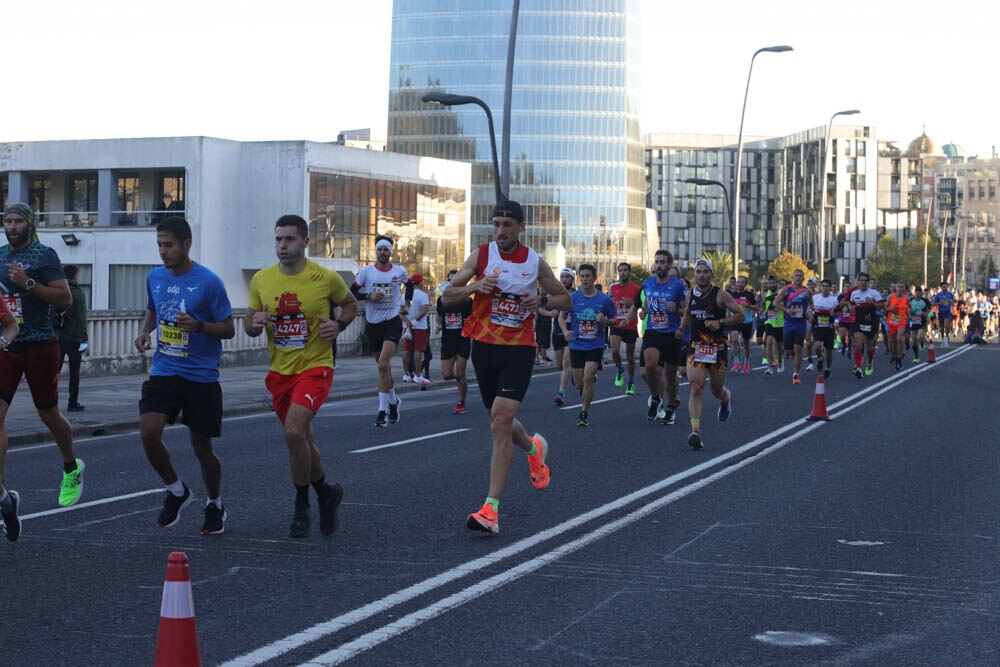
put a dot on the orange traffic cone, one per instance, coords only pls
(177, 641)
(819, 402)
(930, 352)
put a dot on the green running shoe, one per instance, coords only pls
(619, 378)
(630, 389)
(72, 486)
(869, 369)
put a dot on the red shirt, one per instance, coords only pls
(624, 296)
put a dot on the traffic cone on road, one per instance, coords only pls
(819, 402)
(177, 641)
(930, 352)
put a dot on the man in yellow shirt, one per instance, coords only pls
(292, 302)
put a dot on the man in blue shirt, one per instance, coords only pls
(663, 298)
(189, 309)
(591, 311)
(944, 300)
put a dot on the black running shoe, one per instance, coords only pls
(394, 411)
(671, 416)
(172, 506)
(11, 521)
(653, 404)
(695, 440)
(583, 420)
(380, 419)
(300, 522)
(215, 520)
(328, 519)
(826, 374)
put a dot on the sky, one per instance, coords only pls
(306, 69)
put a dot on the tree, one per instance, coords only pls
(913, 258)
(639, 273)
(722, 265)
(786, 264)
(987, 267)
(885, 264)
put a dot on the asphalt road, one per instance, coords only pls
(867, 540)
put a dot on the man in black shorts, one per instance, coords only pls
(188, 306)
(567, 277)
(454, 346)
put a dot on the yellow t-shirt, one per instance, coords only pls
(294, 306)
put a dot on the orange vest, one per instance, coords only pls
(499, 318)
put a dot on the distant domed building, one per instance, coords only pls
(922, 145)
(953, 150)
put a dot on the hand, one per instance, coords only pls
(328, 329)
(531, 302)
(17, 274)
(569, 335)
(186, 323)
(679, 334)
(375, 296)
(259, 320)
(143, 343)
(404, 309)
(602, 318)
(486, 285)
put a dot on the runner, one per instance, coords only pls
(795, 302)
(663, 299)
(773, 329)
(10, 500)
(808, 347)
(824, 311)
(708, 312)
(591, 310)
(846, 321)
(567, 277)
(920, 306)
(380, 286)
(624, 294)
(454, 346)
(292, 302)
(503, 351)
(864, 303)
(944, 300)
(32, 281)
(896, 308)
(188, 307)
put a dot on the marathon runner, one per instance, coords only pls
(920, 306)
(567, 277)
(864, 303)
(944, 300)
(743, 331)
(773, 329)
(824, 306)
(624, 294)
(591, 311)
(795, 302)
(896, 310)
(455, 347)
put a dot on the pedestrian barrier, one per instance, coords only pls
(177, 640)
(930, 352)
(819, 402)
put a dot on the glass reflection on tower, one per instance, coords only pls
(576, 158)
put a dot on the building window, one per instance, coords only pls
(81, 196)
(39, 197)
(172, 183)
(128, 200)
(861, 149)
(4, 188)
(127, 286)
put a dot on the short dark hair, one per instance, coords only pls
(661, 251)
(297, 221)
(865, 275)
(589, 267)
(826, 281)
(71, 271)
(176, 227)
(625, 264)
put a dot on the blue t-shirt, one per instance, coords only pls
(943, 301)
(662, 302)
(588, 333)
(33, 314)
(797, 302)
(202, 295)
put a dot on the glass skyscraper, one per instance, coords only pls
(576, 157)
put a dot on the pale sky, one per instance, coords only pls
(306, 69)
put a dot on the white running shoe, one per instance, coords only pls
(810, 367)
(420, 379)
(407, 377)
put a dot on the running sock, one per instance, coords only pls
(302, 495)
(176, 489)
(631, 380)
(858, 357)
(70, 467)
(383, 401)
(494, 503)
(320, 487)
(696, 425)
(534, 448)
(214, 501)
(392, 396)
(621, 369)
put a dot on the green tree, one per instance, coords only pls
(885, 264)
(913, 258)
(722, 265)
(987, 267)
(786, 264)
(639, 273)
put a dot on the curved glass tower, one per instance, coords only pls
(576, 158)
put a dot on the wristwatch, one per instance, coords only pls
(200, 327)
(29, 285)
(342, 324)
(5, 341)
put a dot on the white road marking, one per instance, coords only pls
(365, 642)
(406, 442)
(92, 503)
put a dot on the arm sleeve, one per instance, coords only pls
(358, 294)
(408, 295)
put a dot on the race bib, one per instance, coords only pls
(772, 314)
(895, 318)
(170, 340)
(657, 320)
(290, 332)
(822, 320)
(15, 308)
(382, 289)
(865, 327)
(706, 353)
(453, 321)
(507, 310)
(588, 329)
(795, 311)
(622, 308)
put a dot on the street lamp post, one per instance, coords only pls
(508, 82)
(729, 208)
(448, 100)
(822, 222)
(739, 156)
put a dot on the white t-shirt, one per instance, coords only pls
(416, 305)
(389, 283)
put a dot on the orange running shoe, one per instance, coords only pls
(486, 520)
(539, 471)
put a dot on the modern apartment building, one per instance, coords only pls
(98, 203)
(576, 158)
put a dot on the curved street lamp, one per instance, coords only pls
(739, 156)
(826, 158)
(449, 100)
(729, 208)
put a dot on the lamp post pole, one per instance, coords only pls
(508, 83)
(448, 100)
(822, 222)
(729, 209)
(739, 157)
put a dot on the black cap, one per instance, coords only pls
(508, 209)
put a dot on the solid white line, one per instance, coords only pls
(92, 503)
(406, 442)
(338, 623)
(602, 400)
